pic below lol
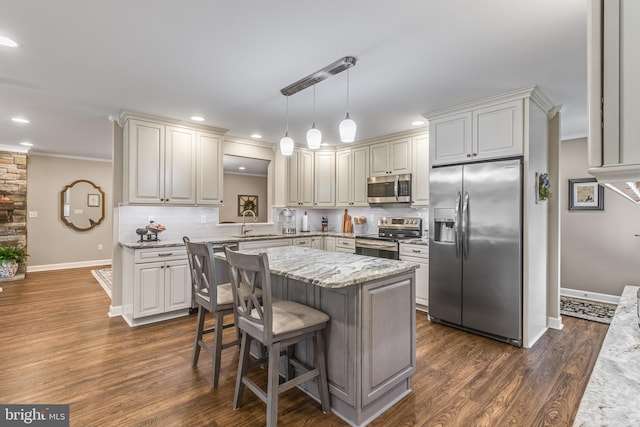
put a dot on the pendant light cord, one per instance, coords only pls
(287, 133)
(347, 91)
(314, 105)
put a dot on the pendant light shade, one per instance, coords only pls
(348, 126)
(348, 129)
(314, 136)
(287, 143)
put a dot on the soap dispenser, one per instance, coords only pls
(305, 223)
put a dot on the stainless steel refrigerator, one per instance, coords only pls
(475, 248)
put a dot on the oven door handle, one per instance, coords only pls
(383, 246)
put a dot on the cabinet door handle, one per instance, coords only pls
(165, 254)
(415, 250)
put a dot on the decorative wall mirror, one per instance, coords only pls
(82, 205)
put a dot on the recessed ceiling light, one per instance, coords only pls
(417, 123)
(241, 168)
(6, 41)
(197, 119)
(256, 135)
(19, 120)
(26, 144)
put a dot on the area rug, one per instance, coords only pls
(587, 309)
(103, 276)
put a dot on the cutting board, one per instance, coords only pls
(347, 225)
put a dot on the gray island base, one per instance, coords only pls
(371, 338)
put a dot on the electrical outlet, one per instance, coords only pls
(99, 246)
(151, 218)
(33, 214)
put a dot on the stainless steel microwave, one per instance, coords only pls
(389, 189)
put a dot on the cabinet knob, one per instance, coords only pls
(475, 154)
(468, 155)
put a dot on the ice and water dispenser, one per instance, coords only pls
(444, 222)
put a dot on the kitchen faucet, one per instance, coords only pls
(244, 229)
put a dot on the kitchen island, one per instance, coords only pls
(611, 397)
(371, 337)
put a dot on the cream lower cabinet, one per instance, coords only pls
(317, 242)
(418, 254)
(330, 243)
(258, 244)
(346, 244)
(161, 282)
(304, 242)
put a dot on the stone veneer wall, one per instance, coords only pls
(13, 184)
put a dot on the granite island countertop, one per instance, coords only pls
(330, 269)
(613, 392)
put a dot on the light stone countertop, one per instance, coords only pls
(330, 269)
(612, 397)
(222, 239)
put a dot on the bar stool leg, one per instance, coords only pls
(245, 346)
(199, 331)
(272, 385)
(321, 364)
(217, 351)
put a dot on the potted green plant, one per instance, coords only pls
(10, 257)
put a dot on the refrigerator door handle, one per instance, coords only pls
(465, 226)
(456, 225)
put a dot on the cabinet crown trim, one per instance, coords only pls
(531, 92)
(128, 115)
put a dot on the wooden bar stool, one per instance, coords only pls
(211, 298)
(277, 326)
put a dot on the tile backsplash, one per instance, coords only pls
(202, 222)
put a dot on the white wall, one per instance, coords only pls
(52, 244)
(599, 250)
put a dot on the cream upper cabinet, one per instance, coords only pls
(391, 157)
(171, 164)
(352, 171)
(324, 194)
(613, 91)
(420, 168)
(209, 165)
(498, 131)
(179, 169)
(489, 131)
(300, 178)
(144, 151)
(451, 138)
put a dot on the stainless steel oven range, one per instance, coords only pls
(391, 231)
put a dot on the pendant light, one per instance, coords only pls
(286, 143)
(314, 136)
(347, 126)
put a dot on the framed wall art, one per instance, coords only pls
(586, 194)
(93, 200)
(247, 203)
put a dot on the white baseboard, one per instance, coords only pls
(115, 311)
(64, 266)
(555, 323)
(593, 296)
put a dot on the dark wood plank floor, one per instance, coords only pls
(59, 346)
